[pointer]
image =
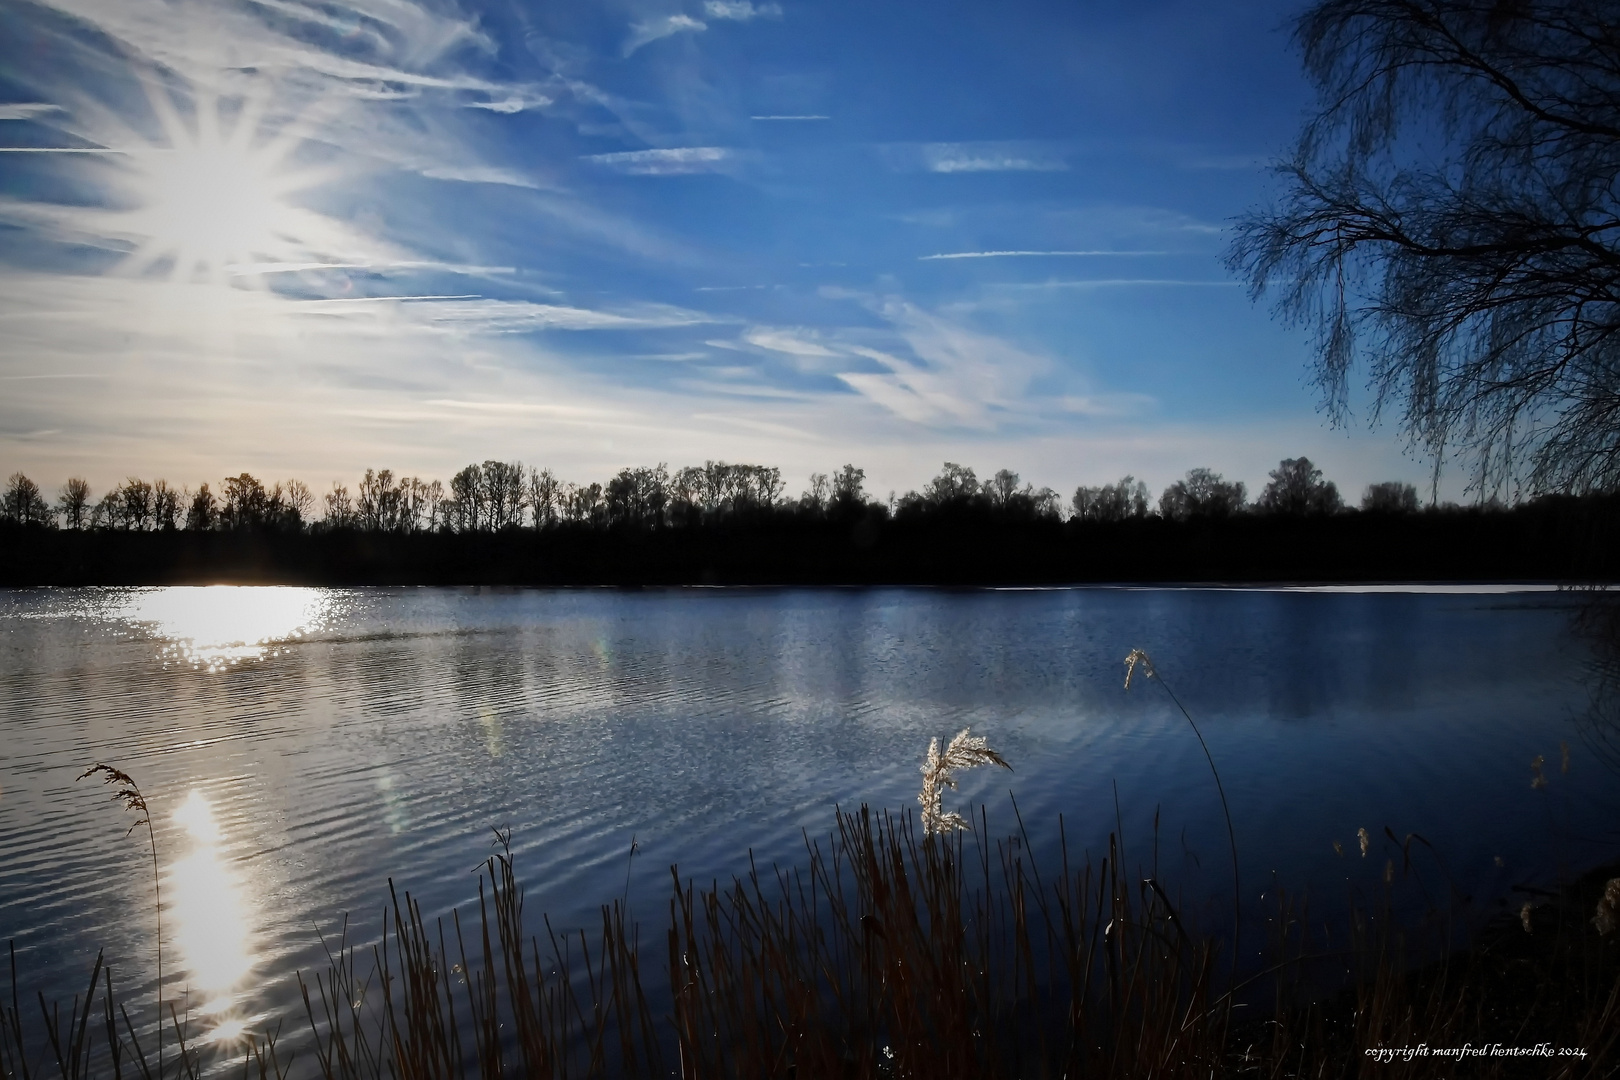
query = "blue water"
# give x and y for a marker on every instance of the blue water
(300, 747)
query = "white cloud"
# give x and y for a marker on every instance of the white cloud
(476, 315)
(1025, 254)
(792, 342)
(953, 376)
(969, 162)
(975, 157)
(670, 162)
(26, 110)
(969, 376)
(741, 10)
(1107, 405)
(645, 33)
(377, 266)
(187, 383)
(512, 103)
(480, 174)
(816, 116)
(1117, 283)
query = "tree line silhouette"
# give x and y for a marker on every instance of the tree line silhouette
(497, 495)
(504, 522)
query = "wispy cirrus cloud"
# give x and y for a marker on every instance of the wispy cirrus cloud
(651, 30)
(27, 110)
(480, 174)
(975, 157)
(1032, 254)
(665, 162)
(741, 10)
(477, 315)
(924, 369)
(794, 342)
(1116, 283)
(512, 103)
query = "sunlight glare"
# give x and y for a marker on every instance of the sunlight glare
(217, 625)
(215, 201)
(227, 1031)
(212, 200)
(212, 932)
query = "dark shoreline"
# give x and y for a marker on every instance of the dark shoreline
(1553, 540)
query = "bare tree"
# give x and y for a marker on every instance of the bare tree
(954, 484)
(1451, 221)
(22, 502)
(585, 503)
(544, 501)
(1128, 498)
(298, 499)
(165, 506)
(380, 505)
(502, 485)
(638, 497)
(1390, 497)
(73, 503)
(1002, 487)
(202, 514)
(848, 490)
(1297, 489)
(815, 496)
(1202, 494)
(467, 500)
(109, 510)
(427, 499)
(338, 508)
(135, 498)
(249, 505)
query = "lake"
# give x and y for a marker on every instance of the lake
(299, 747)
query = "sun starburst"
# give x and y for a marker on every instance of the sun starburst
(215, 192)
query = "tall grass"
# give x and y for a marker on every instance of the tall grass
(899, 946)
(889, 952)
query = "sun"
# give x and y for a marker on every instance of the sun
(216, 194)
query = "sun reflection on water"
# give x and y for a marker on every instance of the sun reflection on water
(211, 928)
(218, 625)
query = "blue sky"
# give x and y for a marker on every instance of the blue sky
(304, 238)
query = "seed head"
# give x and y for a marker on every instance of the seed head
(1137, 656)
(964, 752)
(1365, 841)
(1524, 916)
(127, 792)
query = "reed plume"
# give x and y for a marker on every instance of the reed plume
(128, 792)
(964, 752)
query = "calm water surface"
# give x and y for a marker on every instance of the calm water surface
(301, 746)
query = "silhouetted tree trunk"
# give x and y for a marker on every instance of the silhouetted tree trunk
(74, 503)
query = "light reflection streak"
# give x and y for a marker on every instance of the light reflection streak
(212, 930)
(218, 625)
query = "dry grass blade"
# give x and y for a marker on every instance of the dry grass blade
(128, 792)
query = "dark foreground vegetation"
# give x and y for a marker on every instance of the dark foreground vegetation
(500, 523)
(890, 954)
